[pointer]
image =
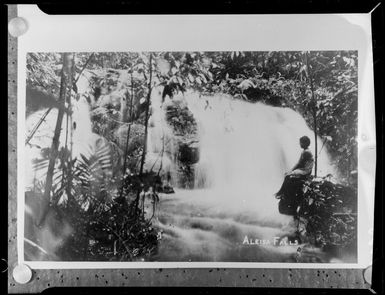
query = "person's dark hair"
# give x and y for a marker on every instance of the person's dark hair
(305, 141)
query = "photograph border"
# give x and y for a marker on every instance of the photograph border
(35, 43)
(334, 266)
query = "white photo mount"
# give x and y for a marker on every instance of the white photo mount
(209, 33)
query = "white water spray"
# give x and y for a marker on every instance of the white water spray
(245, 149)
(161, 144)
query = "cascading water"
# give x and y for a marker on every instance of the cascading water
(161, 146)
(245, 149)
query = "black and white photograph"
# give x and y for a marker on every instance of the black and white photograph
(191, 156)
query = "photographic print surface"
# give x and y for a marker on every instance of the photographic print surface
(219, 156)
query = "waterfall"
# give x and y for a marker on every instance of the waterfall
(161, 143)
(245, 149)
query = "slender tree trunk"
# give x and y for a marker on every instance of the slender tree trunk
(314, 114)
(69, 103)
(146, 118)
(83, 68)
(65, 79)
(315, 138)
(72, 86)
(32, 133)
(145, 132)
(128, 135)
(48, 111)
(65, 168)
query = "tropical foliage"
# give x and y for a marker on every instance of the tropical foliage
(322, 86)
(330, 214)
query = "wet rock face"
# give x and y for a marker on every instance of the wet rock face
(181, 119)
(188, 154)
(185, 130)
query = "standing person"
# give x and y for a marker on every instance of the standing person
(294, 178)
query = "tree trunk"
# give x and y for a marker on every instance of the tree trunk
(70, 123)
(66, 77)
(128, 135)
(29, 137)
(315, 136)
(314, 114)
(42, 119)
(145, 133)
(69, 104)
(146, 118)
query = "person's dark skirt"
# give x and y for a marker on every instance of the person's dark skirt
(290, 194)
